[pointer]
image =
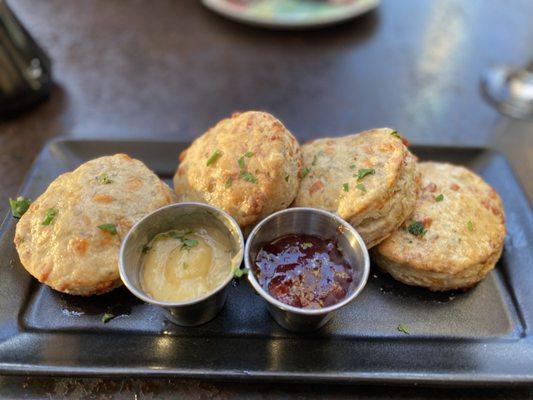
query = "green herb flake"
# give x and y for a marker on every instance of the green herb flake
(470, 226)
(395, 134)
(305, 172)
(213, 157)
(248, 154)
(240, 161)
(19, 206)
(185, 265)
(248, 177)
(364, 172)
(307, 245)
(345, 187)
(352, 166)
(111, 228)
(228, 183)
(361, 187)
(107, 317)
(240, 272)
(440, 197)
(50, 215)
(416, 228)
(315, 157)
(103, 179)
(170, 234)
(403, 328)
(286, 178)
(188, 243)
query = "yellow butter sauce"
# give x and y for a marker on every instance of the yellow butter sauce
(185, 264)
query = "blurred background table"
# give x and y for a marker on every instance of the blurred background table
(169, 69)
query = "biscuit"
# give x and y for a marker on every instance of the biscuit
(248, 165)
(70, 236)
(370, 179)
(455, 235)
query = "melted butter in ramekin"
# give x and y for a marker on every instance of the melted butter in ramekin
(185, 264)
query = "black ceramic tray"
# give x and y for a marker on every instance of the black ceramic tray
(479, 337)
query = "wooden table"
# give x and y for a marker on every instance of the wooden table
(170, 69)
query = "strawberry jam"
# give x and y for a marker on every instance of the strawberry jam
(304, 271)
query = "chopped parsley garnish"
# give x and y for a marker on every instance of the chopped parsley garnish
(107, 317)
(185, 265)
(395, 134)
(228, 182)
(19, 206)
(403, 328)
(213, 157)
(315, 157)
(345, 187)
(470, 226)
(440, 197)
(286, 178)
(103, 179)
(50, 215)
(240, 161)
(170, 234)
(173, 234)
(240, 272)
(307, 245)
(188, 243)
(145, 249)
(352, 166)
(248, 177)
(361, 187)
(111, 228)
(416, 228)
(364, 172)
(305, 172)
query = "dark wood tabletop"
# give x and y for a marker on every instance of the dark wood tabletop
(169, 69)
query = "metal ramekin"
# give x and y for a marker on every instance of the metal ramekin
(186, 313)
(312, 222)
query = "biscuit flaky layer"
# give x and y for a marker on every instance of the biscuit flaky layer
(464, 232)
(248, 165)
(370, 179)
(71, 253)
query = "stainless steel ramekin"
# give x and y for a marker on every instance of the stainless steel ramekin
(186, 313)
(312, 222)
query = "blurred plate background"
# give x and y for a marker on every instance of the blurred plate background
(291, 14)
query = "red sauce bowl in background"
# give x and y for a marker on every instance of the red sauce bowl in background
(306, 222)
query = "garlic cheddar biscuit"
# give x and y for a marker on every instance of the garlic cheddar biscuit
(248, 165)
(70, 236)
(370, 179)
(455, 235)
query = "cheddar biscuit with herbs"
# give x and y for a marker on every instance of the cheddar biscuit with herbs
(248, 165)
(70, 236)
(455, 235)
(370, 179)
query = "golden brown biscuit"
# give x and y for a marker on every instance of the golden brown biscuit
(70, 236)
(455, 235)
(370, 179)
(247, 165)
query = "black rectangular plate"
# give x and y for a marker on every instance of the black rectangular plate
(478, 337)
